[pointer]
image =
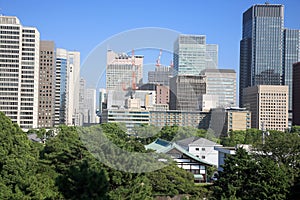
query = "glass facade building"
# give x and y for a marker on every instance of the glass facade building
(192, 55)
(221, 84)
(61, 88)
(261, 48)
(267, 50)
(291, 55)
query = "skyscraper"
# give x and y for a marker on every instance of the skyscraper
(90, 101)
(123, 71)
(46, 84)
(261, 47)
(192, 55)
(19, 71)
(268, 50)
(296, 94)
(291, 55)
(67, 86)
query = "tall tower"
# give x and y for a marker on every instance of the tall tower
(192, 55)
(291, 55)
(67, 86)
(19, 71)
(261, 47)
(46, 84)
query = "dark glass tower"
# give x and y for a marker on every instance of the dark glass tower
(261, 48)
(291, 42)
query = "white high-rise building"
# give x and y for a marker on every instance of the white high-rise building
(67, 87)
(19, 71)
(123, 71)
(90, 101)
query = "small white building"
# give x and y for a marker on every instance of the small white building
(204, 149)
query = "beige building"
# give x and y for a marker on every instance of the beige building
(237, 119)
(268, 105)
(195, 119)
(46, 84)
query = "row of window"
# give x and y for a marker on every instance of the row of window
(10, 27)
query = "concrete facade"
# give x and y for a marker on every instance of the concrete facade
(268, 105)
(19, 72)
(123, 71)
(185, 92)
(47, 84)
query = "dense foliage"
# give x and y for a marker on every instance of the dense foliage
(63, 168)
(270, 171)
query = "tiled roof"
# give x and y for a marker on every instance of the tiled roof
(204, 142)
(162, 146)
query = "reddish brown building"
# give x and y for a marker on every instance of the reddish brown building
(296, 93)
(162, 94)
(46, 84)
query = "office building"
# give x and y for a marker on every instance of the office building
(221, 85)
(46, 85)
(19, 72)
(268, 105)
(87, 104)
(185, 92)
(129, 117)
(102, 100)
(291, 55)
(195, 119)
(237, 119)
(192, 55)
(162, 94)
(67, 87)
(212, 56)
(90, 104)
(123, 72)
(161, 75)
(267, 49)
(296, 94)
(261, 46)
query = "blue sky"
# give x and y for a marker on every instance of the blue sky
(82, 25)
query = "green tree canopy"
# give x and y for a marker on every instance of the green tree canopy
(248, 177)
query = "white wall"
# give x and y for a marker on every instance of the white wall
(206, 153)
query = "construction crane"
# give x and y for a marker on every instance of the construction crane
(132, 57)
(171, 64)
(131, 89)
(158, 59)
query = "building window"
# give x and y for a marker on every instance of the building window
(197, 149)
(203, 149)
(203, 157)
